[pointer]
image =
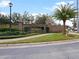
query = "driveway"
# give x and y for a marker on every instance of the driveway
(46, 51)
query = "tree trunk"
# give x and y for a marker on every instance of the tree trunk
(64, 27)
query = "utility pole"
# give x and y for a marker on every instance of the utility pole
(77, 17)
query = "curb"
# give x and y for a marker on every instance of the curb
(38, 44)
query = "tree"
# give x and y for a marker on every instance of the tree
(41, 19)
(65, 12)
(4, 19)
(26, 17)
(16, 17)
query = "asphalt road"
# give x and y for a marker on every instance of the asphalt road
(61, 51)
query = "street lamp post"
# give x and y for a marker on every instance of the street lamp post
(10, 5)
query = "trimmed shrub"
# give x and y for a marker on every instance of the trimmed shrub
(7, 29)
(9, 33)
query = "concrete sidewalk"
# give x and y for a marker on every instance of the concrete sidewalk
(75, 33)
(8, 40)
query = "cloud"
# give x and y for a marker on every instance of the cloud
(3, 13)
(59, 3)
(56, 5)
(68, 22)
(34, 14)
(71, 2)
(51, 8)
(40, 13)
(63, 3)
(4, 3)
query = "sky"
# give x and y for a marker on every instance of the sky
(32, 6)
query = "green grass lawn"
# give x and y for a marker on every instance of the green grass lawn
(47, 38)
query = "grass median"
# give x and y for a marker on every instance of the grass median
(47, 38)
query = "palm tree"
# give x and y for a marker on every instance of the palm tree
(65, 12)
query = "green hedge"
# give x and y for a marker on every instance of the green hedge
(8, 33)
(18, 36)
(7, 29)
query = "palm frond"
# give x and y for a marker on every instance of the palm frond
(65, 12)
